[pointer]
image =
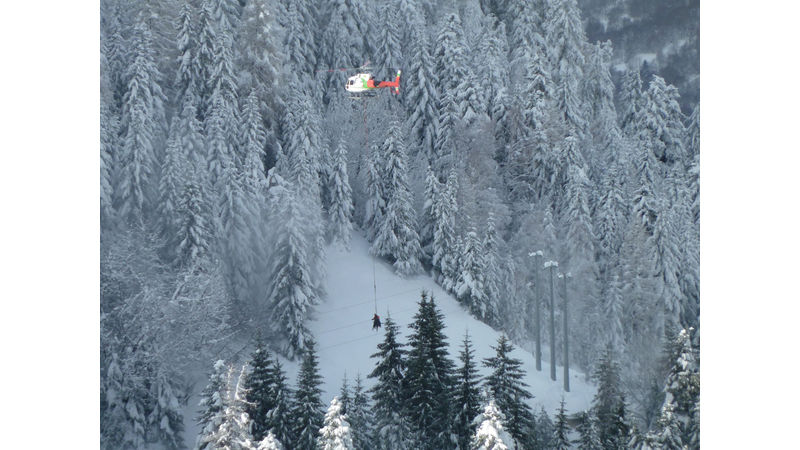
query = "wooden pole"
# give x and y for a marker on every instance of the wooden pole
(552, 265)
(537, 318)
(566, 337)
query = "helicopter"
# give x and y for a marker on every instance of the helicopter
(363, 84)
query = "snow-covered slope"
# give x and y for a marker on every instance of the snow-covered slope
(345, 340)
(343, 326)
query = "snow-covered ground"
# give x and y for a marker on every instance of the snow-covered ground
(345, 340)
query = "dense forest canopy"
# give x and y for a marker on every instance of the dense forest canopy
(231, 157)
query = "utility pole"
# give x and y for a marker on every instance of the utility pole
(552, 265)
(566, 330)
(537, 317)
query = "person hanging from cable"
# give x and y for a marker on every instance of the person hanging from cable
(376, 321)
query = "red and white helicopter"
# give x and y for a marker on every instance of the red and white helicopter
(364, 84)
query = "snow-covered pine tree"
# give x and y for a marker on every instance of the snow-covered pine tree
(469, 101)
(344, 395)
(143, 121)
(343, 42)
(397, 237)
(109, 137)
(279, 420)
(299, 40)
(420, 96)
(444, 258)
(492, 64)
(467, 396)
(565, 42)
(203, 56)
(260, 56)
(387, 47)
(663, 122)
(428, 216)
(170, 187)
(490, 433)
(525, 38)
(683, 385)
(667, 434)
(492, 273)
(335, 434)
(340, 212)
(449, 54)
(122, 418)
(509, 391)
(561, 434)
(259, 390)
(307, 408)
(543, 436)
(631, 103)
(234, 429)
(470, 289)
(269, 443)
(587, 430)
(375, 205)
(608, 400)
(195, 233)
(392, 428)
(291, 293)
(212, 402)
(443, 157)
(430, 378)
(693, 133)
(359, 416)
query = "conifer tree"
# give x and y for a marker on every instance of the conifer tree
(109, 136)
(343, 43)
(299, 42)
(429, 378)
(360, 417)
(291, 293)
(683, 384)
(444, 258)
(335, 434)
(259, 391)
(212, 402)
(662, 122)
(608, 401)
(421, 96)
(492, 273)
(279, 420)
(668, 433)
(490, 433)
(492, 69)
(375, 205)
(307, 408)
(631, 103)
(344, 395)
(143, 120)
(467, 397)
(397, 237)
(469, 288)
(340, 212)
(587, 431)
(560, 436)
(449, 54)
(173, 174)
(269, 443)
(508, 390)
(429, 216)
(194, 233)
(233, 431)
(391, 423)
(123, 420)
(693, 133)
(443, 157)
(565, 41)
(203, 56)
(543, 437)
